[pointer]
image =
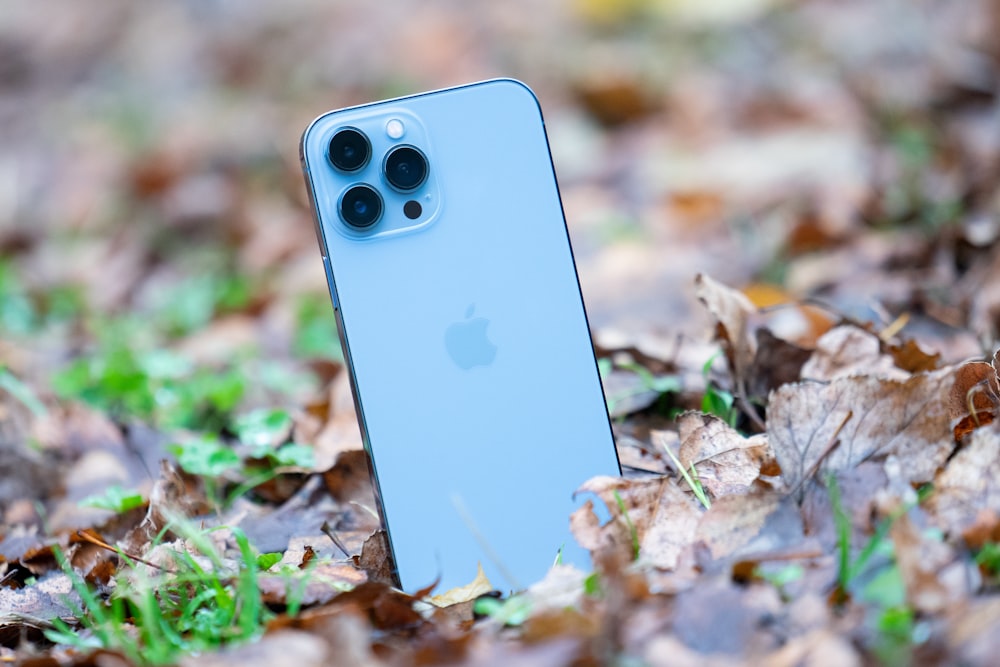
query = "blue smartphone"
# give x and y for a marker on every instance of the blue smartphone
(463, 327)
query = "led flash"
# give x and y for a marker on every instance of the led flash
(394, 128)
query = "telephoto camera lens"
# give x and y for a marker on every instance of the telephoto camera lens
(350, 149)
(361, 206)
(405, 168)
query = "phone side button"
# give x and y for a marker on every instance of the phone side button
(329, 283)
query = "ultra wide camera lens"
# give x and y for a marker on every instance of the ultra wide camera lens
(361, 206)
(405, 168)
(350, 149)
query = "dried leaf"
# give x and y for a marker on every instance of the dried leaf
(756, 522)
(913, 358)
(472, 590)
(663, 517)
(835, 425)
(732, 311)
(326, 581)
(726, 462)
(920, 561)
(777, 362)
(849, 350)
(287, 647)
(375, 559)
(969, 484)
(976, 388)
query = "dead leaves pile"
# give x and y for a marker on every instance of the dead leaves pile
(859, 487)
(873, 461)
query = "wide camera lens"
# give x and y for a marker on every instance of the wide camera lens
(361, 206)
(405, 168)
(349, 149)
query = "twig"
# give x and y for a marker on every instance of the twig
(329, 532)
(97, 542)
(831, 445)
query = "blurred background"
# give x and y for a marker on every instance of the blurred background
(153, 218)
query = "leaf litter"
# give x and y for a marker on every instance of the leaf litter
(811, 459)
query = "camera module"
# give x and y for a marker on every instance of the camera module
(361, 206)
(350, 149)
(405, 168)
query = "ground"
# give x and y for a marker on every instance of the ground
(786, 222)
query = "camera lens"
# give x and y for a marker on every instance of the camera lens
(405, 168)
(349, 149)
(361, 206)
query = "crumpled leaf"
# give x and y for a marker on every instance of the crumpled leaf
(921, 561)
(849, 350)
(663, 516)
(754, 522)
(975, 396)
(726, 462)
(777, 362)
(286, 647)
(374, 558)
(828, 426)
(970, 483)
(51, 597)
(732, 311)
(480, 585)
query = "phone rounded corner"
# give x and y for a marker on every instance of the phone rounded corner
(521, 86)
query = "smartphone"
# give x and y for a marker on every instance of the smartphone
(463, 328)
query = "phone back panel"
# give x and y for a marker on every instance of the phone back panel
(478, 394)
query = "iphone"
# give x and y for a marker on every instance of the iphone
(463, 327)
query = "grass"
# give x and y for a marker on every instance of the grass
(874, 578)
(692, 480)
(198, 603)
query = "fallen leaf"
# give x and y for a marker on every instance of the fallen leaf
(732, 311)
(325, 582)
(912, 357)
(722, 617)
(726, 462)
(920, 561)
(850, 350)
(472, 590)
(663, 517)
(287, 647)
(815, 426)
(755, 522)
(386, 607)
(972, 631)
(975, 396)
(776, 362)
(969, 484)
(375, 559)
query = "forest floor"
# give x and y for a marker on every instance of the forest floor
(786, 221)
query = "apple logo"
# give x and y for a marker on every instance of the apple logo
(467, 342)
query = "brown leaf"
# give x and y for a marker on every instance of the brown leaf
(776, 362)
(663, 516)
(829, 426)
(386, 607)
(726, 462)
(969, 484)
(326, 581)
(754, 522)
(849, 350)
(375, 559)
(976, 388)
(920, 561)
(732, 311)
(913, 358)
(349, 479)
(287, 647)
(472, 590)
(975, 397)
